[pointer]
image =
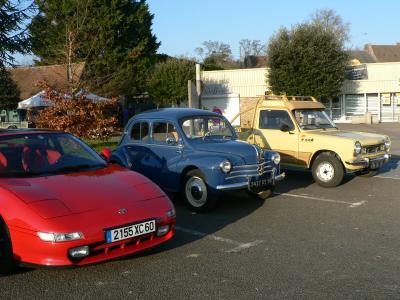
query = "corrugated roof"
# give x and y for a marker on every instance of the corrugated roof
(27, 78)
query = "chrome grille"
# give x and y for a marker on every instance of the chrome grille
(250, 170)
(373, 149)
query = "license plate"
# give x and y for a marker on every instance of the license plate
(257, 183)
(126, 232)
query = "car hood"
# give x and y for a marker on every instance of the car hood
(228, 147)
(364, 138)
(73, 193)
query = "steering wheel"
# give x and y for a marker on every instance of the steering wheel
(206, 134)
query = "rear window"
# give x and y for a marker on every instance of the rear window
(140, 131)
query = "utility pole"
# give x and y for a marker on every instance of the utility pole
(190, 104)
(198, 83)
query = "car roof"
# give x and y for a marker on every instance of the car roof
(174, 113)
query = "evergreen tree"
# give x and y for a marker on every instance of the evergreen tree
(13, 38)
(309, 59)
(9, 92)
(114, 38)
(168, 82)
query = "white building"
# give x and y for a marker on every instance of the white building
(377, 91)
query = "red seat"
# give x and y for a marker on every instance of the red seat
(3, 162)
(36, 158)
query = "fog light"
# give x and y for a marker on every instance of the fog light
(162, 230)
(79, 252)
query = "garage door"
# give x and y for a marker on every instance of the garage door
(373, 104)
(388, 107)
(396, 104)
(354, 105)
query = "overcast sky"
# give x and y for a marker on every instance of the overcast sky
(182, 25)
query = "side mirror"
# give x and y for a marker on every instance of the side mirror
(285, 128)
(106, 154)
(170, 140)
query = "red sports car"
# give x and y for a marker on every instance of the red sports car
(61, 204)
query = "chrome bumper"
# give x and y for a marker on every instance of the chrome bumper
(245, 185)
(374, 163)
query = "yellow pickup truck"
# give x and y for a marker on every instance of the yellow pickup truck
(299, 129)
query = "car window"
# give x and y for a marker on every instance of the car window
(140, 131)
(274, 119)
(164, 130)
(309, 119)
(39, 154)
(207, 127)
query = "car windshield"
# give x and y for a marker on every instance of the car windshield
(309, 119)
(43, 154)
(207, 127)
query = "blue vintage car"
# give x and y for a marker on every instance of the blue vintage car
(197, 153)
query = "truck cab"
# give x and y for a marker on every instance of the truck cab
(299, 129)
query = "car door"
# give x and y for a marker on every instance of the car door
(138, 152)
(279, 133)
(166, 149)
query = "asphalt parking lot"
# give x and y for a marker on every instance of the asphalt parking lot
(305, 242)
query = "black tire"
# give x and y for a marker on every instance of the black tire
(327, 170)
(367, 173)
(12, 127)
(7, 262)
(196, 193)
(263, 195)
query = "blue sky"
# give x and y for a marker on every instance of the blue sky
(182, 25)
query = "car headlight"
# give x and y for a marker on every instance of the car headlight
(171, 213)
(60, 237)
(357, 148)
(225, 166)
(276, 158)
(387, 143)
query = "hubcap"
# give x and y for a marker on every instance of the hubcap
(196, 191)
(325, 171)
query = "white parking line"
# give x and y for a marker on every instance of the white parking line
(387, 177)
(238, 246)
(350, 204)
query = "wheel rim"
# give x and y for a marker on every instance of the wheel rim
(196, 191)
(325, 171)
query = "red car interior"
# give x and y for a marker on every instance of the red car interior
(37, 158)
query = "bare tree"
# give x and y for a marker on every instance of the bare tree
(216, 48)
(73, 31)
(251, 47)
(330, 21)
(216, 55)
